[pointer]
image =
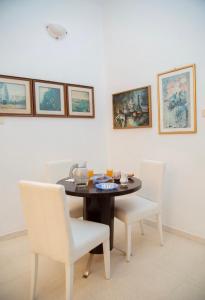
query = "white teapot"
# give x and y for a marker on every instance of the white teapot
(79, 173)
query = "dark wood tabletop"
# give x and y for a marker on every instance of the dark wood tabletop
(134, 184)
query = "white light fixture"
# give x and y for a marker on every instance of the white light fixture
(56, 31)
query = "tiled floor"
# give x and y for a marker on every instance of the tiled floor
(173, 272)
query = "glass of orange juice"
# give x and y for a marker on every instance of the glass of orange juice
(90, 173)
(109, 172)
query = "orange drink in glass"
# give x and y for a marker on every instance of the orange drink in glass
(90, 173)
(109, 172)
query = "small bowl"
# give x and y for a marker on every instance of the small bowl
(101, 178)
(130, 175)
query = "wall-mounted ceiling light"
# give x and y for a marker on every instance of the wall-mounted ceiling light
(56, 31)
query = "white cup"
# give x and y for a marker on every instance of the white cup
(124, 179)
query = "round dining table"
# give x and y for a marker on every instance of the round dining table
(98, 205)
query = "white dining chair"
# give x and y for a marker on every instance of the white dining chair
(54, 234)
(144, 203)
(56, 170)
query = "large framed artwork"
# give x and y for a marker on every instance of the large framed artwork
(177, 100)
(80, 101)
(49, 99)
(132, 109)
(15, 96)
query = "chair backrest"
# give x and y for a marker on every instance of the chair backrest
(152, 176)
(56, 170)
(47, 219)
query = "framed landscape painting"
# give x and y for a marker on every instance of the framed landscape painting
(49, 99)
(177, 100)
(132, 109)
(15, 96)
(80, 101)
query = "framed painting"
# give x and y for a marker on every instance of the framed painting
(49, 99)
(177, 100)
(80, 101)
(132, 109)
(15, 96)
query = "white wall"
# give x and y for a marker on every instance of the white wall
(27, 50)
(144, 38)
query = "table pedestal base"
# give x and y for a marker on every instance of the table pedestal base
(101, 210)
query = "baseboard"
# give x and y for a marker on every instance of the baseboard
(13, 235)
(148, 222)
(178, 232)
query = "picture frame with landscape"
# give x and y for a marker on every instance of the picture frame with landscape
(177, 100)
(132, 108)
(15, 96)
(80, 101)
(49, 99)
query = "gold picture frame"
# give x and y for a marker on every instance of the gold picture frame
(132, 109)
(177, 100)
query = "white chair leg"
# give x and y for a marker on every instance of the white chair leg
(128, 233)
(159, 222)
(106, 251)
(34, 273)
(69, 281)
(141, 227)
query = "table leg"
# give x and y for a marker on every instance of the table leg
(100, 209)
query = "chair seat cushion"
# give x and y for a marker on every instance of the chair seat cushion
(87, 235)
(75, 205)
(134, 208)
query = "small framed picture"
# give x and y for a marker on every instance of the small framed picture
(49, 99)
(80, 101)
(132, 109)
(15, 96)
(177, 101)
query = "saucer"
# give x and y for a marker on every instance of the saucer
(107, 186)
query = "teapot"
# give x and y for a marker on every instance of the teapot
(79, 173)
